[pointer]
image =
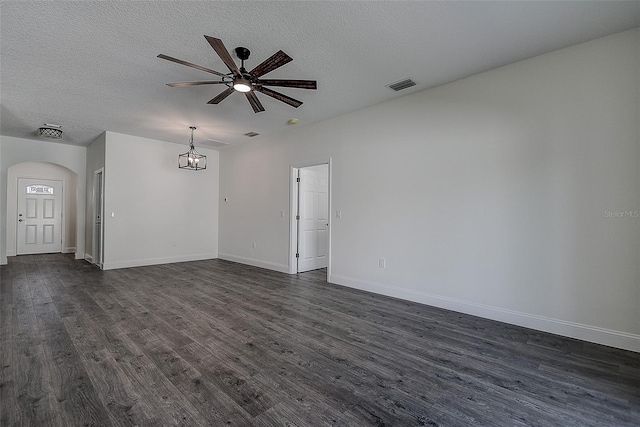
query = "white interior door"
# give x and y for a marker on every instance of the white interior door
(39, 216)
(313, 209)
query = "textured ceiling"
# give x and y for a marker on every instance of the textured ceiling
(92, 66)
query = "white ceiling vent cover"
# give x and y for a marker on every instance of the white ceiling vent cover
(402, 84)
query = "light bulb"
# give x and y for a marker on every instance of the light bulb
(242, 85)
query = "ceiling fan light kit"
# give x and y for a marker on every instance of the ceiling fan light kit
(241, 80)
(242, 85)
(192, 160)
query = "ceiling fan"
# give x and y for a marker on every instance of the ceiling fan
(241, 80)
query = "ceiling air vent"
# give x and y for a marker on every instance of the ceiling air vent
(403, 84)
(251, 134)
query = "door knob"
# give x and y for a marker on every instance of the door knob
(20, 220)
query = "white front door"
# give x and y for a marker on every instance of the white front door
(314, 211)
(39, 216)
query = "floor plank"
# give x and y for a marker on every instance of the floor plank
(218, 343)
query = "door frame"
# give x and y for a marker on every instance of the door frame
(293, 211)
(62, 210)
(94, 241)
(73, 207)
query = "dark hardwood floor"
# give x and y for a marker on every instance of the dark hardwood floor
(218, 343)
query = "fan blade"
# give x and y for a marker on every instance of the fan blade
(300, 84)
(279, 96)
(223, 53)
(254, 101)
(189, 64)
(276, 60)
(221, 96)
(207, 82)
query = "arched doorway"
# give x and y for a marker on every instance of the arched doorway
(45, 172)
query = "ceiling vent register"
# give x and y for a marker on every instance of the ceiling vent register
(404, 84)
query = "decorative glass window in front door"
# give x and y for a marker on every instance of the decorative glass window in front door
(39, 189)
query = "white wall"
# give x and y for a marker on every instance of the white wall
(18, 150)
(492, 195)
(160, 213)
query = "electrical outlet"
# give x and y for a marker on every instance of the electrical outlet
(382, 263)
(254, 245)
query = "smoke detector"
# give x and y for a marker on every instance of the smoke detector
(50, 131)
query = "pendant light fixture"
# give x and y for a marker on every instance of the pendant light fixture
(192, 160)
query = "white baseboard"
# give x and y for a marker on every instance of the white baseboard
(282, 268)
(69, 250)
(623, 340)
(3, 260)
(154, 261)
(88, 258)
